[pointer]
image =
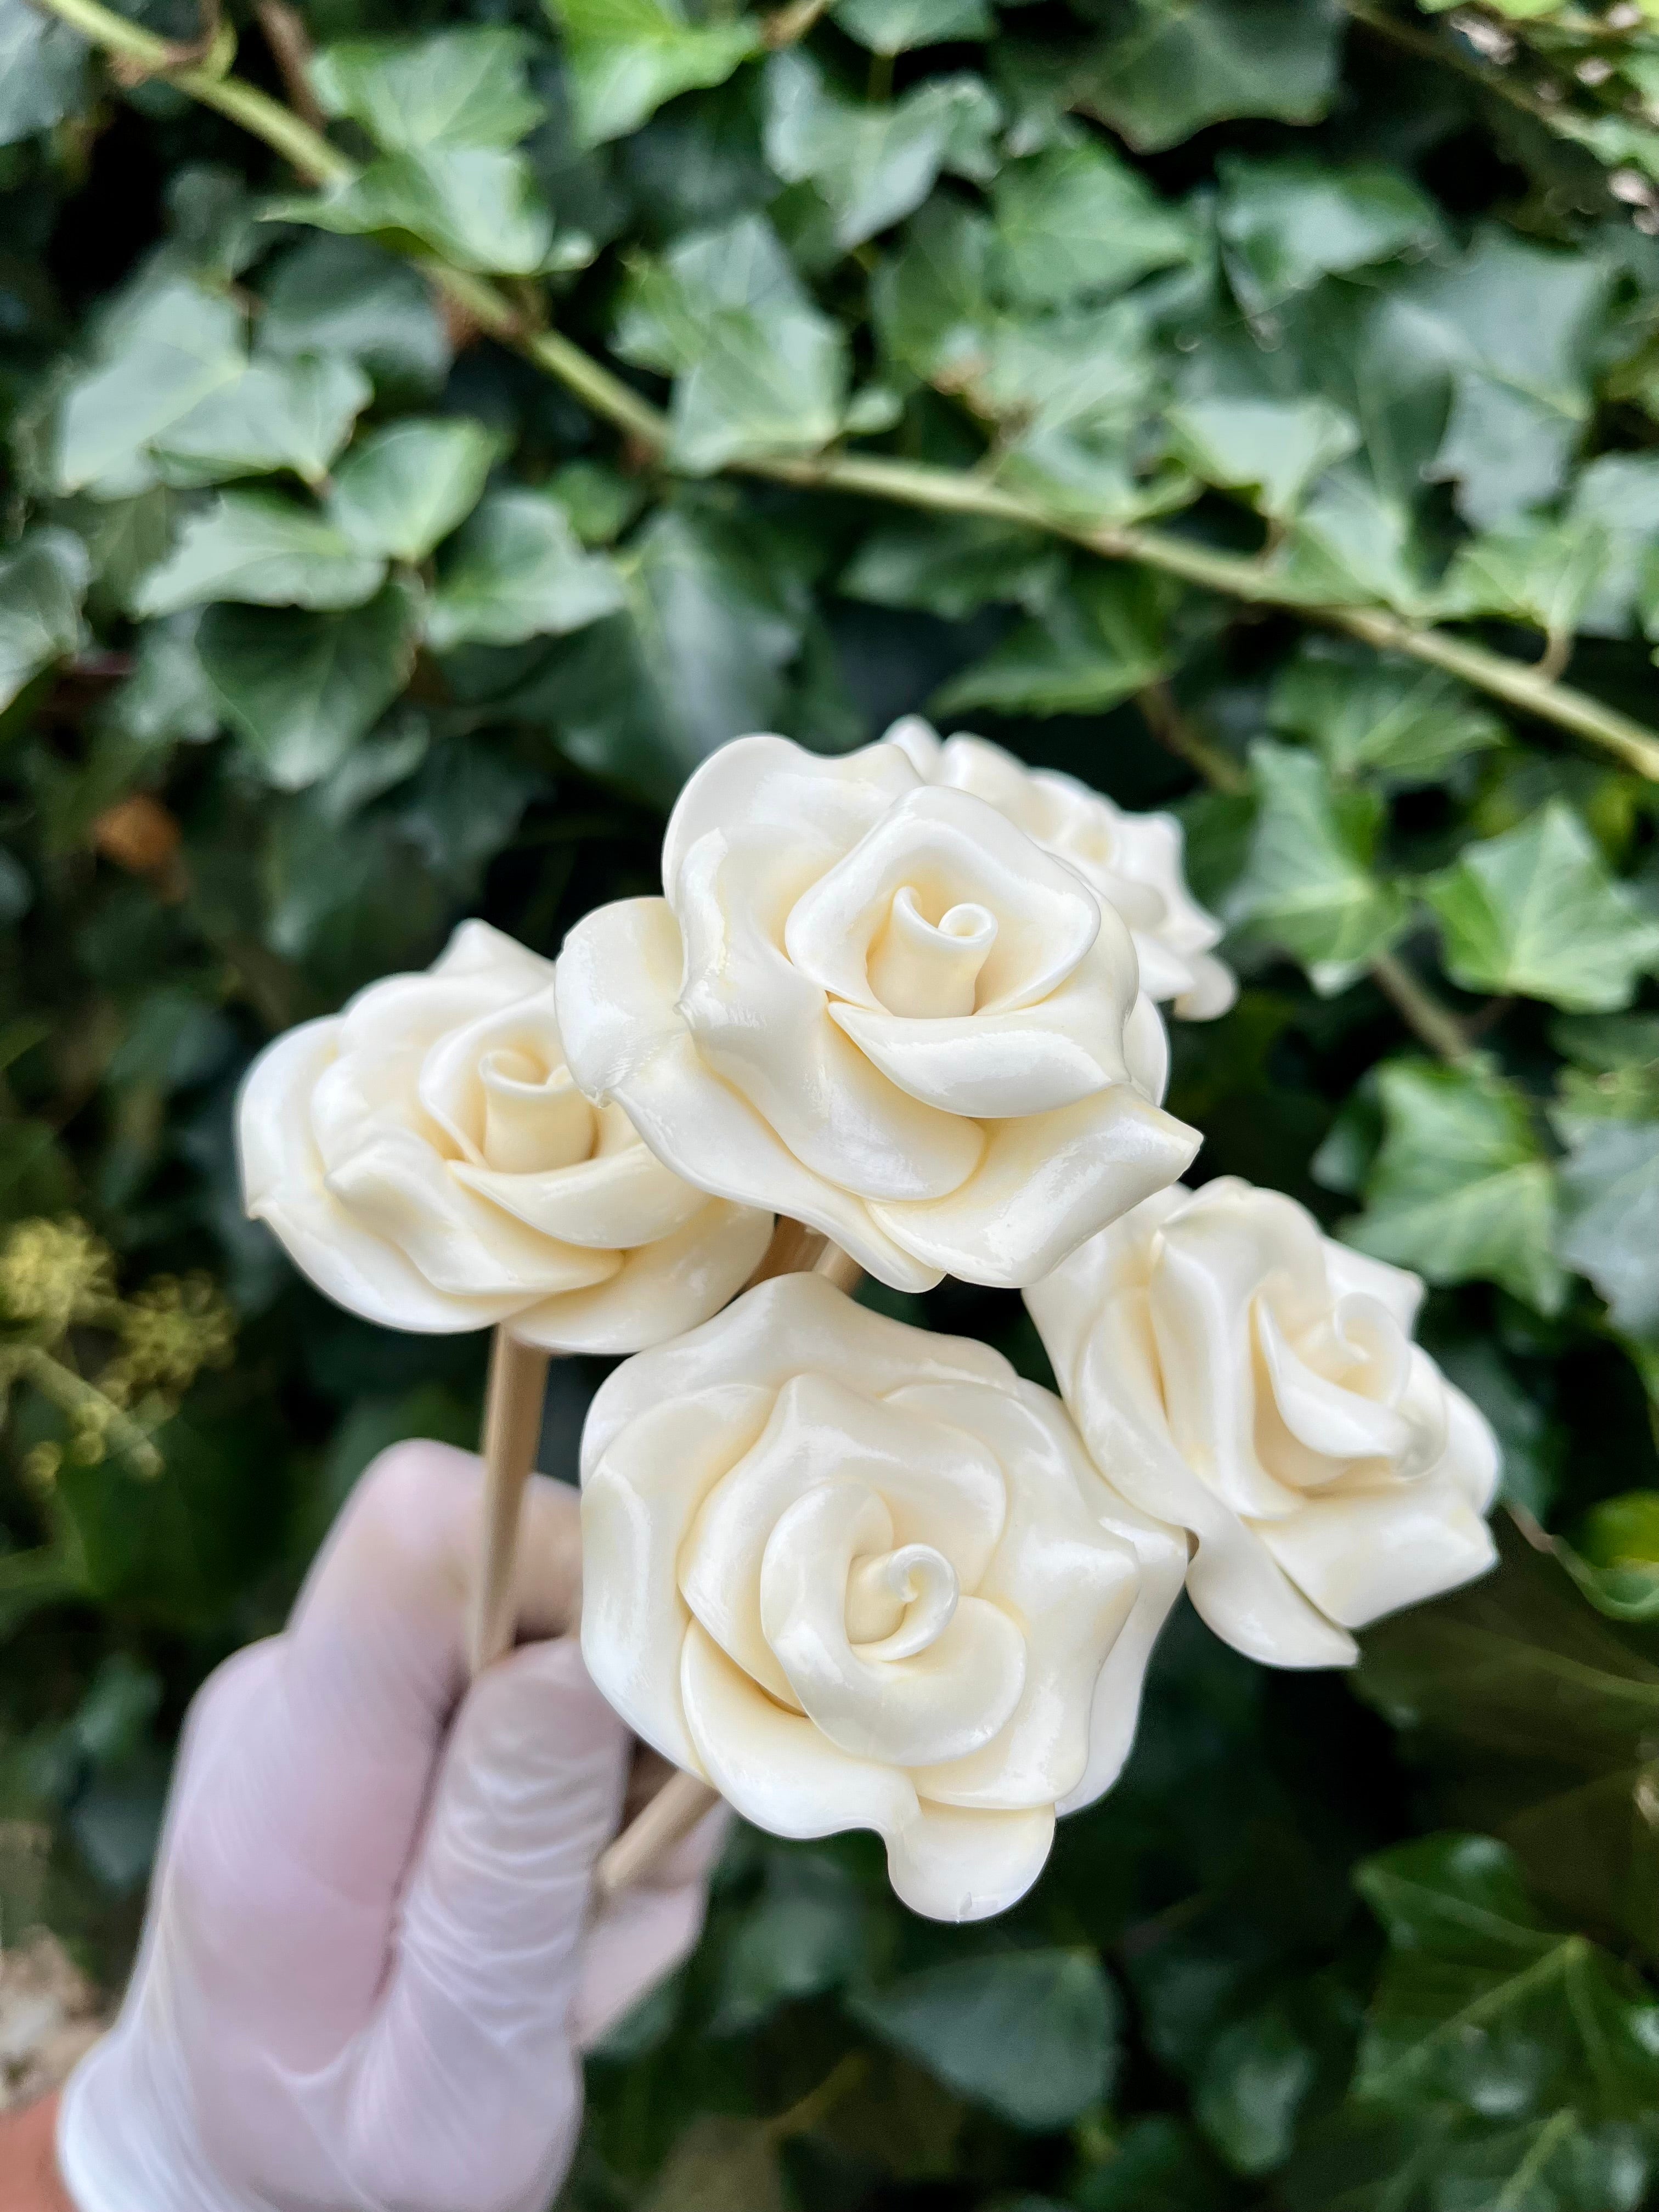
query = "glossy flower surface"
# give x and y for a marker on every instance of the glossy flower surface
(1236, 1371)
(1135, 862)
(881, 1008)
(856, 1575)
(426, 1161)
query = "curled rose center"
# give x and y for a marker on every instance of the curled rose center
(534, 1118)
(923, 964)
(899, 1602)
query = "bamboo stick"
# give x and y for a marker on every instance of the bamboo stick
(512, 1428)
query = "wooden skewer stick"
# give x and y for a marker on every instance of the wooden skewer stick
(512, 1428)
(683, 1799)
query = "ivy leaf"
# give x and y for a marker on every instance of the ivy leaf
(1254, 2079)
(1276, 447)
(699, 655)
(403, 488)
(1535, 914)
(1461, 1189)
(1617, 497)
(898, 27)
(932, 301)
(871, 164)
(1032, 2034)
(1100, 640)
(952, 566)
(758, 369)
(167, 699)
(1513, 326)
(1286, 224)
(265, 551)
(1075, 223)
(1074, 392)
(1546, 573)
(1176, 68)
(627, 56)
(1352, 542)
(42, 584)
(1370, 714)
(1481, 2002)
(479, 207)
(303, 688)
(453, 88)
(348, 297)
(179, 345)
(1307, 884)
(294, 414)
(1610, 1214)
(43, 71)
(515, 571)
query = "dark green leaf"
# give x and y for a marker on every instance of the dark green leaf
(952, 566)
(1286, 224)
(627, 56)
(1534, 913)
(1461, 1189)
(1308, 885)
(1177, 67)
(302, 689)
(873, 164)
(897, 27)
(1275, 447)
(1370, 714)
(477, 206)
(43, 71)
(176, 347)
(451, 89)
(347, 296)
(1610, 1215)
(1544, 574)
(1030, 2033)
(1617, 497)
(293, 414)
(251, 546)
(1098, 640)
(1075, 222)
(42, 584)
(516, 571)
(402, 488)
(1252, 2085)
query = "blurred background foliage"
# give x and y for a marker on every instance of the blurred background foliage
(1251, 406)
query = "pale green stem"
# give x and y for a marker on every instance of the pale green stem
(871, 476)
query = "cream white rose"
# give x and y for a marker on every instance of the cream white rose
(1236, 1371)
(881, 1008)
(426, 1161)
(1135, 862)
(856, 1575)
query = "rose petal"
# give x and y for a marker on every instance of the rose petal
(942, 1488)
(1359, 1557)
(760, 1023)
(801, 802)
(661, 1289)
(1028, 1061)
(282, 1185)
(1069, 1580)
(1332, 1424)
(1046, 1183)
(950, 849)
(943, 1703)
(951, 1864)
(618, 974)
(614, 1202)
(790, 1326)
(638, 1499)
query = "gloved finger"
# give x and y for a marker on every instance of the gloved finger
(312, 1769)
(473, 2041)
(641, 1935)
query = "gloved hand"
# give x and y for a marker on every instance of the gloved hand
(368, 1965)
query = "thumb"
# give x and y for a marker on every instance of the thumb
(467, 2091)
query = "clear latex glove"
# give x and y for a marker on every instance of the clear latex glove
(368, 1965)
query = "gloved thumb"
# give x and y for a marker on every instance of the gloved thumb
(472, 2040)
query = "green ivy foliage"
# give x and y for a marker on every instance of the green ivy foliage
(428, 432)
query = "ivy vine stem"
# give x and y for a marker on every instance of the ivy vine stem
(877, 477)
